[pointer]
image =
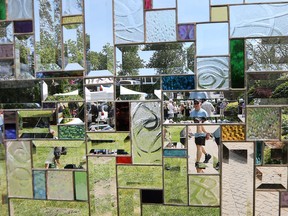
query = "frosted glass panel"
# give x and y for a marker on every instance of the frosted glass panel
(259, 20)
(60, 185)
(128, 21)
(71, 7)
(267, 202)
(212, 39)
(19, 9)
(6, 32)
(160, 26)
(193, 11)
(164, 4)
(19, 172)
(213, 73)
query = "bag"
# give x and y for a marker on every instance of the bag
(70, 166)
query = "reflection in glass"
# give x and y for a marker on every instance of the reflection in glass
(259, 20)
(39, 184)
(3, 180)
(71, 7)
(174, 137)
(271, 178)
(175, 181)
(7, 69)
(237, 63)
(267, 201)
(160, 26)
(122, 116)
(219, 14)
(47, 35)
(193, 11)
(146, 132)
(275, 152)
(19, 9)
(178, 82)
(131, 196)
(237, 166)
(213, 73)
(19, 174)
(128, 21)
(212, 39)
(6, 32)
(100, 92)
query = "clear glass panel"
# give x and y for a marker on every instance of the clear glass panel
(219, 14)
(237, 178)
(39, 184)
(212, 39)
(128, 21)
(266, 201)
(80, 184)
(7, 70)
(220, 2)
(132, 197)
(6, 32)
(164, 4)
(271, 178)
(19, 174)
(139, 177)
(47, 35)
(213, 73)
(263, 123)
(175, 181)
(19, 9)
(146, 132)
(193, 11)
(71, 7)
(73, 38)
(259, 20)
(233, 133)
(204, 190)
(203, 149)
(100, 92)
(102, 186)
(174, 137)
(161, 26)
(284, 123)
(60, 185)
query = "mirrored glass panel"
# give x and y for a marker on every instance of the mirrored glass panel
(237, 65)
(193, 11)
(71, 7)
(70, 112)
(8, 68)
(131, 196)
(3, 180)
(174, 137)
(284, 123)
(80, 184)
(152, 59)
(220, 2)
(122, 118)
(261, 204)
(19, 9)
(271, 178)
(274, 152)
(6, 35)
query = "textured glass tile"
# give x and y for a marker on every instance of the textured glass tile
(213, 73)
(275, 152)
(267, 202)
(72, 20)
(164, 4)
(193, 11)
(147, 4)
(259, 152)
(178, 82)
(219, 14)
(237, 178)
(186, 32)
(212, 39)
(146, 133)
(204, 190)
(271, 178)
(60, 185)
(283, 199)
(19, 9)
(175, 181)
(6, 32)
(2, 10)
(124, 160)
(71, 131)
(259, 20)
(39, 184)
(19, 174)
(237, 63)
(71, 7)
(263, 123)
(160, 26)
(139, 176)
(266, 54)
(131, 196)
(7, 69)
(81, 189)
(10, 131)
(233, 133)
(102, 186)
(23, 27)
(128, 21)
(175, 153)
(6, 51)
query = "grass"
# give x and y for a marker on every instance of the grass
(3, 185)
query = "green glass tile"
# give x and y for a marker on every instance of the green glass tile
(237, 63)
(2, 10)
(81, 185)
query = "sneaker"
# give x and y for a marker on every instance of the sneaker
(217, 167)
(197, 165)
(207, 158)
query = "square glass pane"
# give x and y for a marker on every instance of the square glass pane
(193, 11)
(271, 178)
(20, 10)
(131, 196)
(186, 32)
(219, 14)
(6, 32)
(71, 7)
(212, 39)
(160, 26)
(266, 201)
(233, 133)
(174, 137)
(275, 152)
(164, 4)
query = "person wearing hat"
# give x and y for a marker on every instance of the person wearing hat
(197, 110)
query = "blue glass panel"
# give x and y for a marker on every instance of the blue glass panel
(39, 184)
(175, 152)
(178, 82)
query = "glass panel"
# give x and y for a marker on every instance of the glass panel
(7, 69)
(60, 190)
(39, 184)
(263, 123)
(237, 63)
(47, 35)
(174, 137)
(102, 181)
(139, 176)
(193, 11)
(73, 38)
(132, 197)
(237, 166)
(233, 133)
(20, 9)
(164, 4)
(19, 174)
(160, 26)
(128, 21)
(266, 202)
(99, 49)
(186, 32)
(71, 7)
(152, 196)
(3, 10)
(6, 32)
(23, 27)
(80, 185)
(146, 132)
(70, 113)
(151, 59)
(178, 82)
(203, 149)
(284, 123)
(219, 14)
(212, 39)
(213, 73)
(175, 152)
(259, 152)
(71, 131)
(147, 4)
(259, 20)
(3, 182)
(283, 199)
(124, 160)
(6, 51)
(261, 1)
(219, 2)
(204, 190)
(122, 116)
(175, 181)
(275, 152)
(271, 177)
(71, 20)
(10, 131)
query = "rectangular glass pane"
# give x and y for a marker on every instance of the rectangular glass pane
(6, 51)
(193, 11)
(71, 7)
(131, 196)
(164, 4)
(178, 82)
(271, 178)
(20, 10)
(237, 66)
(261, 204)
(174, 137)
(2, 10)
(3, 181)
(219, 14)
(80, 183)
(7, 71)
(39, 184)
(71, 131)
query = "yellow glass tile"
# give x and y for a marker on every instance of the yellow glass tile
(219, 14)
(72, 19)
(233, 133)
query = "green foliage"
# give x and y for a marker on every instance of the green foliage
(281, 91)
(232, 108)
(237, 63)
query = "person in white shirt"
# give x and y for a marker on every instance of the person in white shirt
(208, 107)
